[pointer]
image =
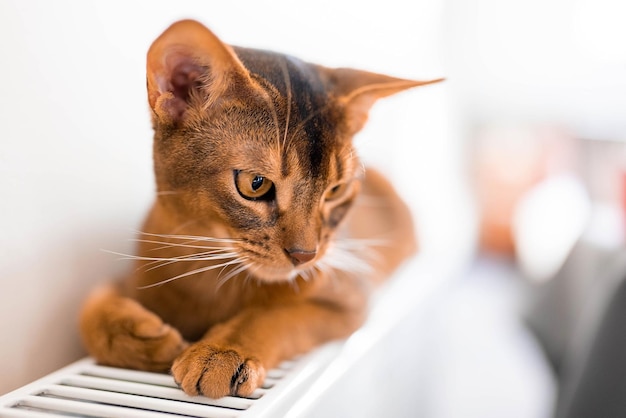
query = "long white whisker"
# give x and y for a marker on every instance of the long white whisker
(191, 257)
(220, 274)
(232, 274)
(198, 238)
(196, 271)
(158, 262)
(187, 244)
(307, 274)
(355, 256)
(194, 257)
(294, 284)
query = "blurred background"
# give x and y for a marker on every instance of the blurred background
(515, 169)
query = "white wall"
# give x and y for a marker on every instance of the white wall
(558, 62)
(75, 138)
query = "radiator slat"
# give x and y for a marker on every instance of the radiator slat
(269, 383)
(87, 409)
(140, 402)
(276, 374)
(159, 379)
(120, 386)
(26, 413)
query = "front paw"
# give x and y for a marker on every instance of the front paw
(120, 332)
(203, 369)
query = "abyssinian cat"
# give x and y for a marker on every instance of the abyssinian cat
(267, 234)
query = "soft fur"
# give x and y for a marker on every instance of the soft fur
(228, 283)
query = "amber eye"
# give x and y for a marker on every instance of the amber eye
(335, 191)
(253, 186)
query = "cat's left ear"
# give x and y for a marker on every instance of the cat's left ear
(188, 59)
(358, 90)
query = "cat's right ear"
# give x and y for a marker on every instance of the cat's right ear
(186, 60)
(357, 91)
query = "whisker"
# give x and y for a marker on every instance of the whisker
(208, 256)
(158, 262)
(193, 272)
(220, 274)
(355, 256)
(327, 271)
(165, 262)
(166, 245)
(189, 237)
(294, 284)
(309, 273)
(232, 274)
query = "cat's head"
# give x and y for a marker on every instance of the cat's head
(257, 144)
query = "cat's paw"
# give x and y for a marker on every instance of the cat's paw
(148, 343)
(119, 331)
(206, 370)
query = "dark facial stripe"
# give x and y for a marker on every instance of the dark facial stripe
(309, 99)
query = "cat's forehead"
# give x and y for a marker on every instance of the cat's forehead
(304, 112)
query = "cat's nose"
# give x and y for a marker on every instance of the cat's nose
(298, 256)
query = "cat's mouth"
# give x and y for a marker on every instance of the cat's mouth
(279, 274)
(277, 268)
(272, 274)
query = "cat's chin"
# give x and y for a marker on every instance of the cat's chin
(273, 274)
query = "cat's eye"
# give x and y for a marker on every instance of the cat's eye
(254, 186)
(335, 191)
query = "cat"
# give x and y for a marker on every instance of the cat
(267, 235)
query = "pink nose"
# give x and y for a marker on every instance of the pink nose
(298, 257)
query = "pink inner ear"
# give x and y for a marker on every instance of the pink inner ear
(182, 75)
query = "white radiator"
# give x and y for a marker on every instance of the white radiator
(87, 389)
(294, 389)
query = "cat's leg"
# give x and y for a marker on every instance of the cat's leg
(118, 331)
(233, 357)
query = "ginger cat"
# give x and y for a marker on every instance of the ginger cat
(260, 245)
